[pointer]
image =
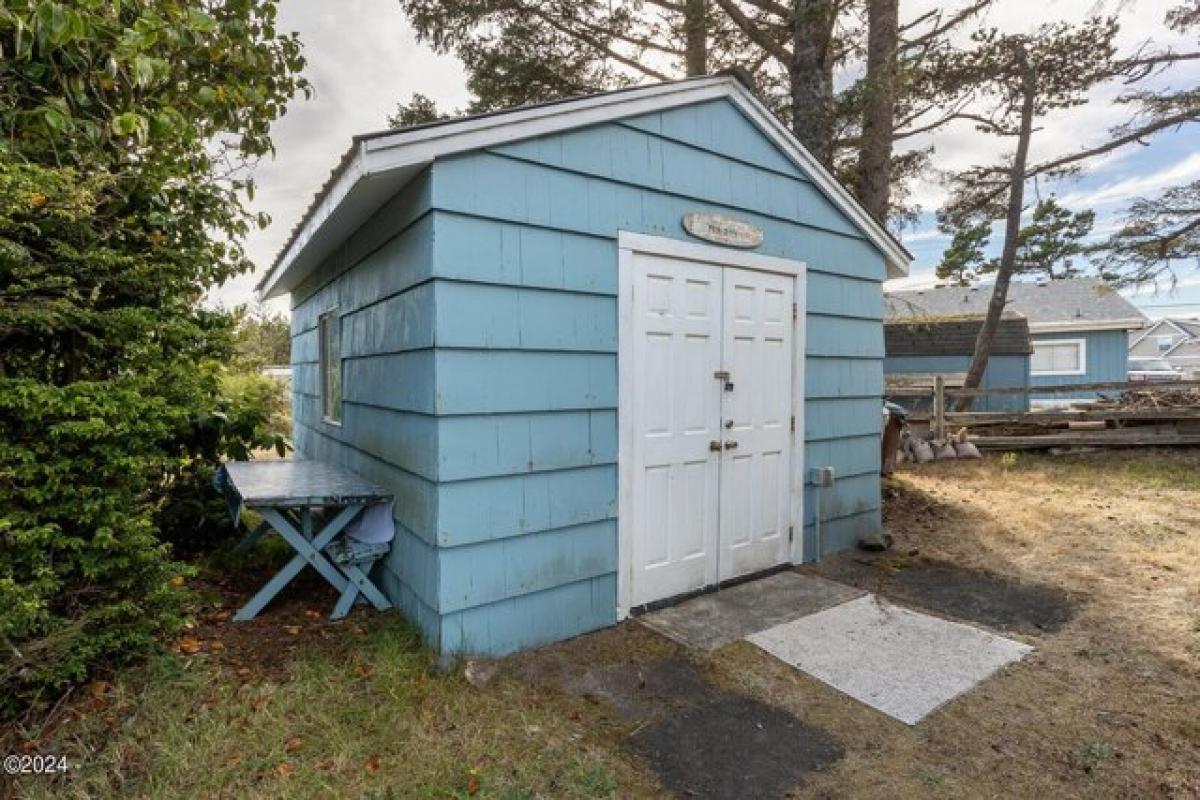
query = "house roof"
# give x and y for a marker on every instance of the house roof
(1076, 304)
(379, 164)
(954, 336)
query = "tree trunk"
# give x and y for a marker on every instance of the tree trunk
(695, 23)
(875, 148)
(1012, 229)
(811, 77)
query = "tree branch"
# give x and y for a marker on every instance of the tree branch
(599, 46)
(756, 33)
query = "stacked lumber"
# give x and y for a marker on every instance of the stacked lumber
(1149, 417)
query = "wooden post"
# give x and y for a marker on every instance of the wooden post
(939, 408)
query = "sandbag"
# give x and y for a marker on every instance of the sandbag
(967, 450)
(922, 451)
(946, 451)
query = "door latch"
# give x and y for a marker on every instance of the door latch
(730, 445)
(715, 446)
(723, 376)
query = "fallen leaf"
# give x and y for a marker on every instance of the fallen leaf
(293, 630)
(188, 645)
(216, 645)
(233, 760)
(473, 782)
(177, 581)
(312, 614)
(98, 688)
(30, 746)
(372, 765)
(284, 769)
(292, 744)
(243, 672)
(362, 671)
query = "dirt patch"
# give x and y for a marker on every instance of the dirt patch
(698, 738)
(955, 591)
(733, 746)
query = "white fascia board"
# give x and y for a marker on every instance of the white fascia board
(1087, 325)
(1149, 330)
(382, 154)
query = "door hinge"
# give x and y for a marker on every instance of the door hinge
(791, 533)
(795, 311)
(793, 423)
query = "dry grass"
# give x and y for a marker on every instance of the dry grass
(1109, 706)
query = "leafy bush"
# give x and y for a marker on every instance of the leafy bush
(250, 417)
(125, 129)
(84, 579)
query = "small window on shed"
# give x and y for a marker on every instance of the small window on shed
(1165, 343)
(331, 366)
(1061, 357)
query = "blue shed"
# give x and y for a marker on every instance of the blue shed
(1079, 326)
(944, 346)
(594, 347)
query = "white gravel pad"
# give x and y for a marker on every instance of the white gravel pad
(900, 662)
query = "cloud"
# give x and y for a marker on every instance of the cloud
(1136, 185)
(363, 58)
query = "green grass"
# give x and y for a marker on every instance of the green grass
(371, 718)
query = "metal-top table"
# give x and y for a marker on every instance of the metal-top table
(286, 494)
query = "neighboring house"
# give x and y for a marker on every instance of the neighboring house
(1079, 327)
(919, 350)
(581, 407)
(1176, 340)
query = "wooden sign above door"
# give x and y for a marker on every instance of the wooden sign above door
(722, 230)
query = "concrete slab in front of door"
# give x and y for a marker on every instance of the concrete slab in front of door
(902, 663)
(718, 618)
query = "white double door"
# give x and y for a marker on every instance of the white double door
(712, 424)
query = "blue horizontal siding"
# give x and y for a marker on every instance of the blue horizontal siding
(623, 155)
(717, 127)
(841, 533)
(509, 444)
(1003, 371)
(504, 317)
(489, 571)
(515, 505)
(1107, 360)
(528, 620)
(504, 381)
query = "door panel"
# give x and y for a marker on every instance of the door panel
(756, 415)
(677, 348)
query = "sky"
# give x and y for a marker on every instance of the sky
(363, 58)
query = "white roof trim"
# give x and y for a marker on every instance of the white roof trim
(1164, 321)
(405, 151)
(1133, 323)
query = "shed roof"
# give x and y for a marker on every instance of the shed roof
(954, 336)
(1075, 304)
(379, 164)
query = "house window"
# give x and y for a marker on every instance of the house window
(329, 330)
(1165, 343)
(1059, 357)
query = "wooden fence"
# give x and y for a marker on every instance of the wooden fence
(1075, 427)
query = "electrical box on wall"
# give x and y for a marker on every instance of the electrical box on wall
(821, 476)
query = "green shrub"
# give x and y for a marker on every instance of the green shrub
(249, 417)
(84, 579)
